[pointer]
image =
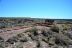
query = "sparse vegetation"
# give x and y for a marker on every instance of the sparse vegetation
(39, 36)
(66, 26)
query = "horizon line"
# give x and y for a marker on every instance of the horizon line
(36, 18)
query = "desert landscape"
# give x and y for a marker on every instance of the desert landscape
(35, 33)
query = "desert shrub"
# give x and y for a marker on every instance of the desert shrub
(62, 40)
(19, 46)
(38, 44)
(1, 46)
(1, 39)
(6, 44)
(1, 42)
(12, 40)
(45, 40)
(20, 35)
(23, 39)
(45, 33)
(69, 34)
(33, 31)
(2, 27)
(66, 26)
(55, 28)
(43, 30)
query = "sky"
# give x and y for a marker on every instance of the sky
(54, 9)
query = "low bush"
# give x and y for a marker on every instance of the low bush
(1, 39)
(20, 35)
(12, 40)
(55, 29)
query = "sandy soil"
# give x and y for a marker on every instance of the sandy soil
(12, 32)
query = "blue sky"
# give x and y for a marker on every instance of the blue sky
(36, 8)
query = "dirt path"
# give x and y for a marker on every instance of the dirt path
(8, 34)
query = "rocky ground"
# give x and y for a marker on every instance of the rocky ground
(40, 37)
